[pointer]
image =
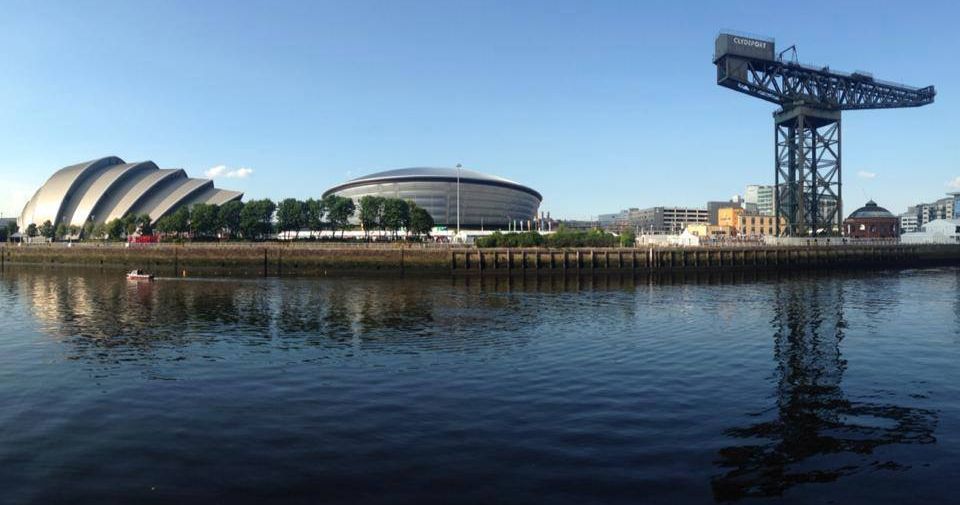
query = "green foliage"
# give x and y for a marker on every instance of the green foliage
(144, 224)
(46, 229)
(176, 223)
(31, 230)
(290, 215)
(74, 230)
(371, 212)
(204, 220)
(256, 219)
(563, 238)
(396, 214)
(99, 231)
(88, 230)
(229, 217)
(339, 211)
(421, 222)
(61, 231)
(313, 211)
(129, 224)
(524, 239)
(115, 229)
(628, 239)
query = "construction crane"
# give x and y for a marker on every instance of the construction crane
(807, 124)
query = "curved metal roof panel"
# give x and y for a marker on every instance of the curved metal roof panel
(221, 196)
(178, 196)
(109, 188)
(102, 185)
(50, 200)
(144, 188)
(433, 174)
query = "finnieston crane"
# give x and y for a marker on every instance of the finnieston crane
(807, 125)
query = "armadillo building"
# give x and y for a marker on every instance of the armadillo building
(109, 188)
(485, 200)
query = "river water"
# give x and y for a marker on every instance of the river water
(839, 388)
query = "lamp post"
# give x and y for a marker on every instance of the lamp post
(459, 166)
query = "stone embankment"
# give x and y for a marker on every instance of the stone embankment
(311, 259)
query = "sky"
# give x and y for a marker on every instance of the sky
(599, 105)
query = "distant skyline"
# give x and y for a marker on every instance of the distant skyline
(600, 106)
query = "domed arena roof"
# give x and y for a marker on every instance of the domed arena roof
(433, 174)
(109, 188)
(871, 211)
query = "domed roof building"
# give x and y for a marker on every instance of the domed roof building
(871, 221)
(108, 188)
(485, 200)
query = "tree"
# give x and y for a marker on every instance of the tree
(99, 231)
(88, 229)
(165, 225)
(370, 212)
(31, 230)
(115, 229)
(421, 222)
(290, 215)
(204, 219)
(178, 222)
(313, 212)
(339, 211)
(229, 217)
(628, 239)
(396, 214)
(46, 229)
(256, 218)
(61, 231)
(144, 224)
(129, 224)
(74, 230)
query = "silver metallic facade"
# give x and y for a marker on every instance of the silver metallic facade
(109, 188)
(485, 200)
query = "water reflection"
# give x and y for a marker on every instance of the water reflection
(813, 417)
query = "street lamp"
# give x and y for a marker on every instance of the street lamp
(459, 166)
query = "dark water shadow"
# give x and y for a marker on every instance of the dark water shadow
(816, 434)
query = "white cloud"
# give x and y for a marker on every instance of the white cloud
(863, 174)
(955, 183)
(224, 171)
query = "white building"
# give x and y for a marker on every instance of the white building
(939, 231)
(909, 223)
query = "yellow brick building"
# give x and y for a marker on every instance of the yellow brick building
(747, 225)
(708, 230)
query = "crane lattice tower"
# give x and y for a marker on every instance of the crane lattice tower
(807, 125)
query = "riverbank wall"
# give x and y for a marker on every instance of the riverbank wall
(310, 259)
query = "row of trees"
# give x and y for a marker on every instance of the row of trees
(333, 213)
(254, 220)
(393, 214)
(562, 238)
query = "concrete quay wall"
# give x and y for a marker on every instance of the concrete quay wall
(272, 259)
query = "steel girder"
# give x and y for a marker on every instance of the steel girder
(791, 84)
(807, 172)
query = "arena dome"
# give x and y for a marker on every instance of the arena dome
(108, 188)
(485, 200)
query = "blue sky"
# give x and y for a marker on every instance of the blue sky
(599, 105)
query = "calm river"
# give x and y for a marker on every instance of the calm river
(795, 389)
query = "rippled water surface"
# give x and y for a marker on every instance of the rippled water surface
(798, 389)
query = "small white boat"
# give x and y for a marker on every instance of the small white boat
(139, 275)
